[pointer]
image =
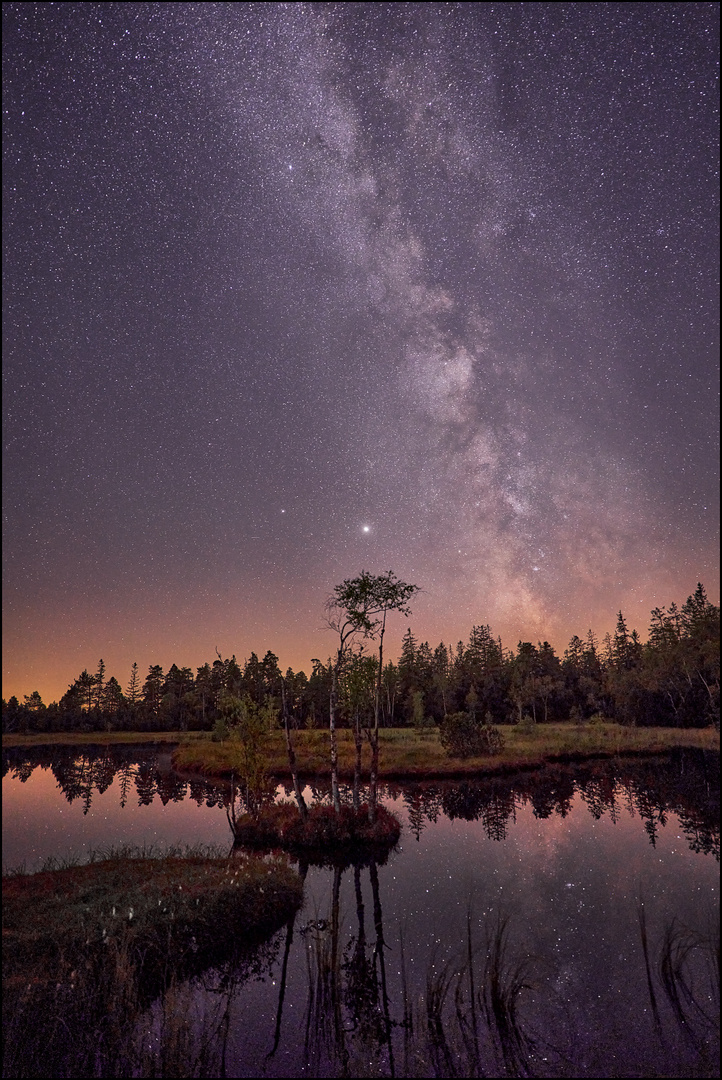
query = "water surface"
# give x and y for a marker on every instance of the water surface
(579, 904)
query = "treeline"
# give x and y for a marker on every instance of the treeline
(672, 679)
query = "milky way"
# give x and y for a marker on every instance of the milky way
(293, 290)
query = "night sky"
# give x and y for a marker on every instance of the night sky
(296, 290)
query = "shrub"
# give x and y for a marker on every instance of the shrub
(220, 731)
(462, 736)
(527, 725)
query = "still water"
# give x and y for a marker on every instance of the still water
(563, 922)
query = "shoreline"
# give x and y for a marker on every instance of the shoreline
(405, 753)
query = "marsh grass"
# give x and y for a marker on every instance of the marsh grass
(121, 851)
(689, 973)
(683, 971)
(87, 949)
(417, 754)
(471, 1021)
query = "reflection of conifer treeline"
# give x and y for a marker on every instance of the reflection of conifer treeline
(81, 774)
(684, 782)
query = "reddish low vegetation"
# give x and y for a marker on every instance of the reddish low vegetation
(154, 907)
(87, 949)
(280, 825)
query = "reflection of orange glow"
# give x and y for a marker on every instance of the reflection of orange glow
(60, 827)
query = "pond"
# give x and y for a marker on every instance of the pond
(563, 922)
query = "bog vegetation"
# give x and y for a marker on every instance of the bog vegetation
(87, 949)
(670, 680)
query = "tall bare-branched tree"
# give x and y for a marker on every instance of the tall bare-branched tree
(359, 607)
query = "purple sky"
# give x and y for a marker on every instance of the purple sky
(295, 290)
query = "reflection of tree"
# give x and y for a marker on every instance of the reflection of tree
(598, 792)
(126, 773)
(171, 788)
(381, 957)
(702, 838)
(81, 774)
(324, 1035)
(684, 782)
(493, 803)
(423, 803)
(303, 870)
(348, 1019)
(651, 814)
(496, 815)
(413, 800)
(103, 772)
(361, 996)
(552, 793)
(23, 771)
(75, 779)
(145, 783)
(196, 791)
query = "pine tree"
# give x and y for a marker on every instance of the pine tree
(153, 688)
(133, 691)
(113, 699)
(574, 652)
(99, 684)
(86, 685)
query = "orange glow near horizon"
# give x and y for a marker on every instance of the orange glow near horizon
(48, 652)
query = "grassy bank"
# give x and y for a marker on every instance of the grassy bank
(404, 751)
(87, 948)
(157, 907)
(418, 754)
(100, 738)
